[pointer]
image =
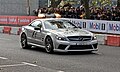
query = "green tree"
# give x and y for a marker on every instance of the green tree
(101, 3)
(86, 6)
(118, 3)
(55, 3)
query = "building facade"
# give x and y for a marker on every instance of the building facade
(17, 7)
(20, 7)
(43, 3)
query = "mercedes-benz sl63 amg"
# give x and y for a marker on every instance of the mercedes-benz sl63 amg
(57, 35)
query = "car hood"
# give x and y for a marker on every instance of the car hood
(71, 32)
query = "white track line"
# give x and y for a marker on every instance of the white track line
(29, 64)
(3, 58)
(26, 63)
(14, 65)
(41, 67)
(60, 71)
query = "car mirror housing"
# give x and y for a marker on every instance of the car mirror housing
(37, 28)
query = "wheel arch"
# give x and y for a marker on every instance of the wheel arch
(23, 33)
(50, 37)
(52, 42)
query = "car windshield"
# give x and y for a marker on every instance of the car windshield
(58, 24)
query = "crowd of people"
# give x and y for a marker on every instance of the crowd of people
(96, 13)
(105, 13)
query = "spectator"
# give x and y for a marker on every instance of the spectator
(97, 13)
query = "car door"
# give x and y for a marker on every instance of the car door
(32, 32)
(40, 34)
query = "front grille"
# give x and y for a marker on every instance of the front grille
(62, 47)
(79, 38)
(80, 47)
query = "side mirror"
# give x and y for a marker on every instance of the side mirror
(37, 28)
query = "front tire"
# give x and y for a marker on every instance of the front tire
(24, 42)
(49, 45)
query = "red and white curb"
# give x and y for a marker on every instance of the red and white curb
(10, 30)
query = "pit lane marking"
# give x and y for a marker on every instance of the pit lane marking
(3, 58)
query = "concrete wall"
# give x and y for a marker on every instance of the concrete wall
(17, 7)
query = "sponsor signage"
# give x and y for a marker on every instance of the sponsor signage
(23, 20)
(114, 27)
(97, 26)
(3, 20)
(12, 20)
(16, 20)
(80, 23)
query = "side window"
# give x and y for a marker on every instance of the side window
(36, 24)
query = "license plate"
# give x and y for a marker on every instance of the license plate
(83, 43)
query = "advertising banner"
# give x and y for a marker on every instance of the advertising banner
(91, 25)
(97, 26)
(24, 20)
(12, 20)
(3, 20)
(17, 20)
(79, 23)
(113, 27)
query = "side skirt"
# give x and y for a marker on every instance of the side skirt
(36, 45)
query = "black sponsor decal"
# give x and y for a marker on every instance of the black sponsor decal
(84, 24)
(103, 26)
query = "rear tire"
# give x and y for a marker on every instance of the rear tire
(49, 45)
(24, 43)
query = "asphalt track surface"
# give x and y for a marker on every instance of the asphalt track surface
(15, 59)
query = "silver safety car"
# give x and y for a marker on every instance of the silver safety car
(57, 35)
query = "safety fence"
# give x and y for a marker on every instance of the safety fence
(101, 26)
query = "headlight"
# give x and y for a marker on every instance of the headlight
(61, 38)
(94, 37)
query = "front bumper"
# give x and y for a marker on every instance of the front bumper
(66, 46)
